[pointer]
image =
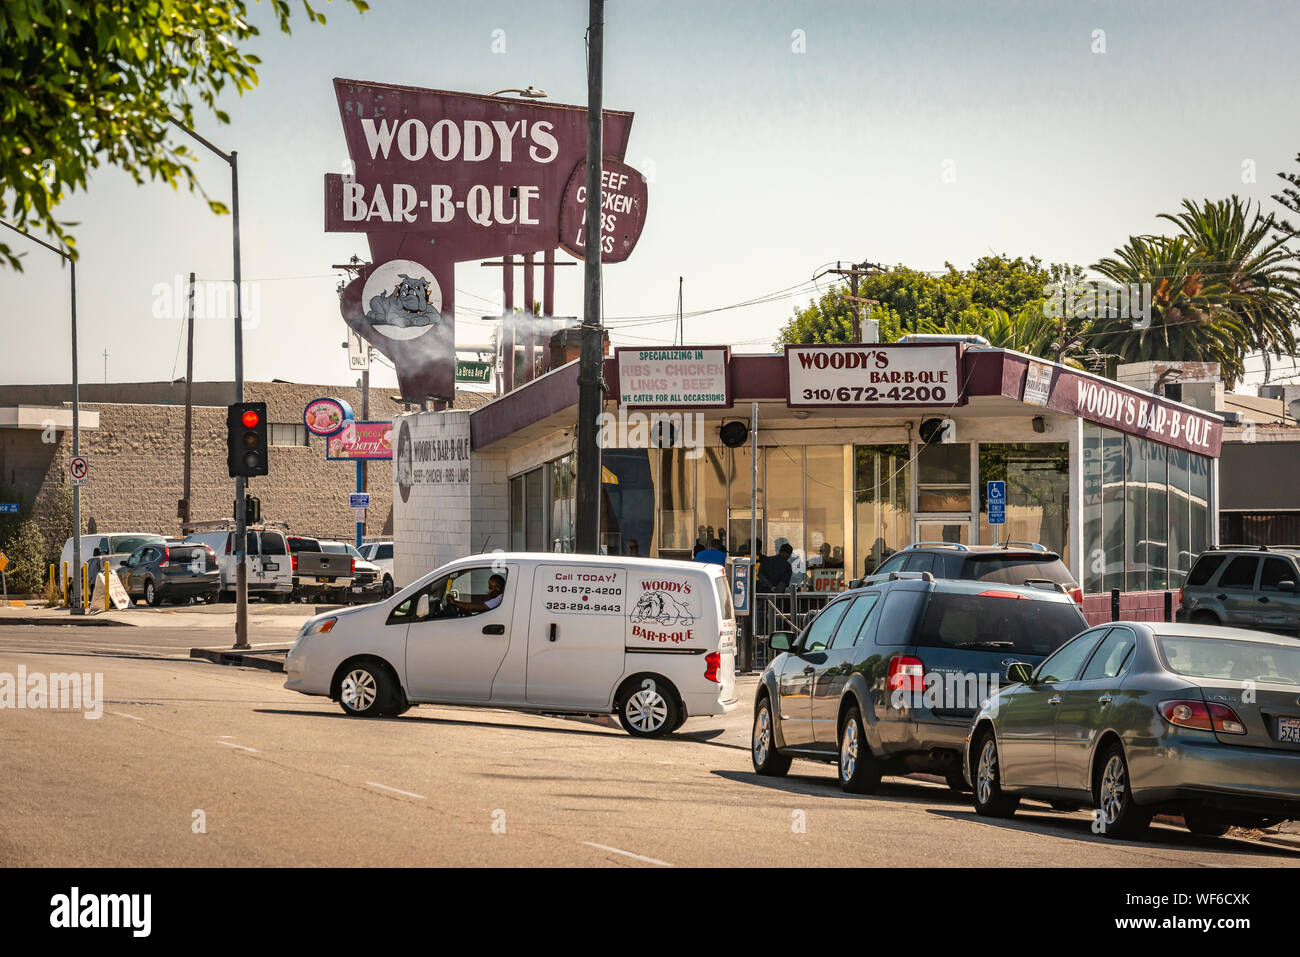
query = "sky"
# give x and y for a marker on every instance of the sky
(777, 138)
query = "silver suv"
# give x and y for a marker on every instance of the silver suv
(1244, 586)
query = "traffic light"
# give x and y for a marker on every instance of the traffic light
(246, 443)
(252, 510)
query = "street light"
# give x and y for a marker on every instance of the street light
(241, 513)
(532, 93)
(76, 608)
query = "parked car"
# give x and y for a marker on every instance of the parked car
(267, 563)
(651, 641)
(886, 678)
(1011, 563)
(1135, 718)
(1245, 586)
(381, 554)
(318, 575)
(366, 580)
(115, 548)
(161, 573)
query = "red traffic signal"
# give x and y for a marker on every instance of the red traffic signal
(246, 439)
(250, 418)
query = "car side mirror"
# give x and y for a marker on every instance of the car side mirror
(1019, 672)
(1286, 586)
(781, 640)
(422, 607)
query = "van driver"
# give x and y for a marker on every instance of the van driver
(496, 587)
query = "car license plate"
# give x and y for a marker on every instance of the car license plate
(325, 581)
(1288, 730)
(356, 589)
(270, 566)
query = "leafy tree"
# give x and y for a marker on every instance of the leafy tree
(25, 549)
(1289, 199)
(91, 82)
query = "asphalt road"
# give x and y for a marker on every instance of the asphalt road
(276, 778)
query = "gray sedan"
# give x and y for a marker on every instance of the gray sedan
(1135, 718)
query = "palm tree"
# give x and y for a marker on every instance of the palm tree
(1261, 284)
(1189, 317)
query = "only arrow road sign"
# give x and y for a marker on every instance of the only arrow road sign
(79, 470)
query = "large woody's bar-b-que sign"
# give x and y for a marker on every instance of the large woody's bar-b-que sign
(438, 178)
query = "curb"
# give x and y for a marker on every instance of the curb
(246, 659)
(70, 620)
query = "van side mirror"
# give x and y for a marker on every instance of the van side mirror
(1019, 672)
(1286, 586)
(781, 640)
(422, 607)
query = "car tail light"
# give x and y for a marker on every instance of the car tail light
(1077, 595)
(228, 538)
(712, 662)
(293, 562)
(1180, 597)
(354, 566)
(906, 674)
(167, 555)
(993, 593)
(1203, 717)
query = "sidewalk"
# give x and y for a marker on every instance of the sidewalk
(220, 616)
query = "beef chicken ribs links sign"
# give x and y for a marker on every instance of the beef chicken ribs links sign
(435, 178)
(695, 377)
(906, 374)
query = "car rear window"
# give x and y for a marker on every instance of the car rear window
(304, 545)
(1231, 660)
(1011, 570)
(272, 543)
(126, 544)
(186, 554)
(1204, 569)
(723, 589)
(989, 623)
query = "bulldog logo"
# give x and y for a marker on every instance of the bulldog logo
(409, 304)
(663, 609)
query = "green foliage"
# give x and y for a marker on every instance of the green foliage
(55, 522)
(85, 83)
(25, 549)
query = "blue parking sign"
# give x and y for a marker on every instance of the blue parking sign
(997, 500)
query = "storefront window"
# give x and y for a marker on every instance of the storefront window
(1149, 521)
(627, 517)
(882, 476)
(824, 522)
(517, 540)
(562, 504)
(676, 503)
(534, 511)
(943, 478)
(1038, 493)
(711, 496)
(784, 487)
(739, 513)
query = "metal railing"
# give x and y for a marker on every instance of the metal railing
(783, 611)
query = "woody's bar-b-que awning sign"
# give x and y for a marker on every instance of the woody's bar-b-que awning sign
(436, 178)
(897, 374)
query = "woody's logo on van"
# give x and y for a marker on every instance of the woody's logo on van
(662, 608)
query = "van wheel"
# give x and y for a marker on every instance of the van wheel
(990, 801)
(859, 769)
(366, 690)
(648, 707)
(1113, 791)
(767, 760)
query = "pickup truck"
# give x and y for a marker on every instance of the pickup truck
(318, 574)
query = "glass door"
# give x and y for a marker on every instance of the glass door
(942, 528)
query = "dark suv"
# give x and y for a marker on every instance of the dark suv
(1011, 563)
(887, 678)
(171, 572)
(1244, 586)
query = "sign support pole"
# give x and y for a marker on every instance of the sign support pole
(591, 359)
(361, 483)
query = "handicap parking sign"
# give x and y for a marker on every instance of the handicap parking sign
(997, 498)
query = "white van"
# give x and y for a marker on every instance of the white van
(117, 547)
(270, 571)
(651, 641)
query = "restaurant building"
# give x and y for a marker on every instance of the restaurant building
(856, 451)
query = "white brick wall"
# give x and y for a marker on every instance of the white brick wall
(443, 521)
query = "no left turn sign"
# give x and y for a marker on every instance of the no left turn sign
(79, 470)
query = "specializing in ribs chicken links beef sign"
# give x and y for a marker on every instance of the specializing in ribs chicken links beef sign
(898, 374)
(695, 377)
(435, 178)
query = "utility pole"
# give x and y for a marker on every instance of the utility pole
(854, 271)
(105, 367)
(591, 359)
(187, 509)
